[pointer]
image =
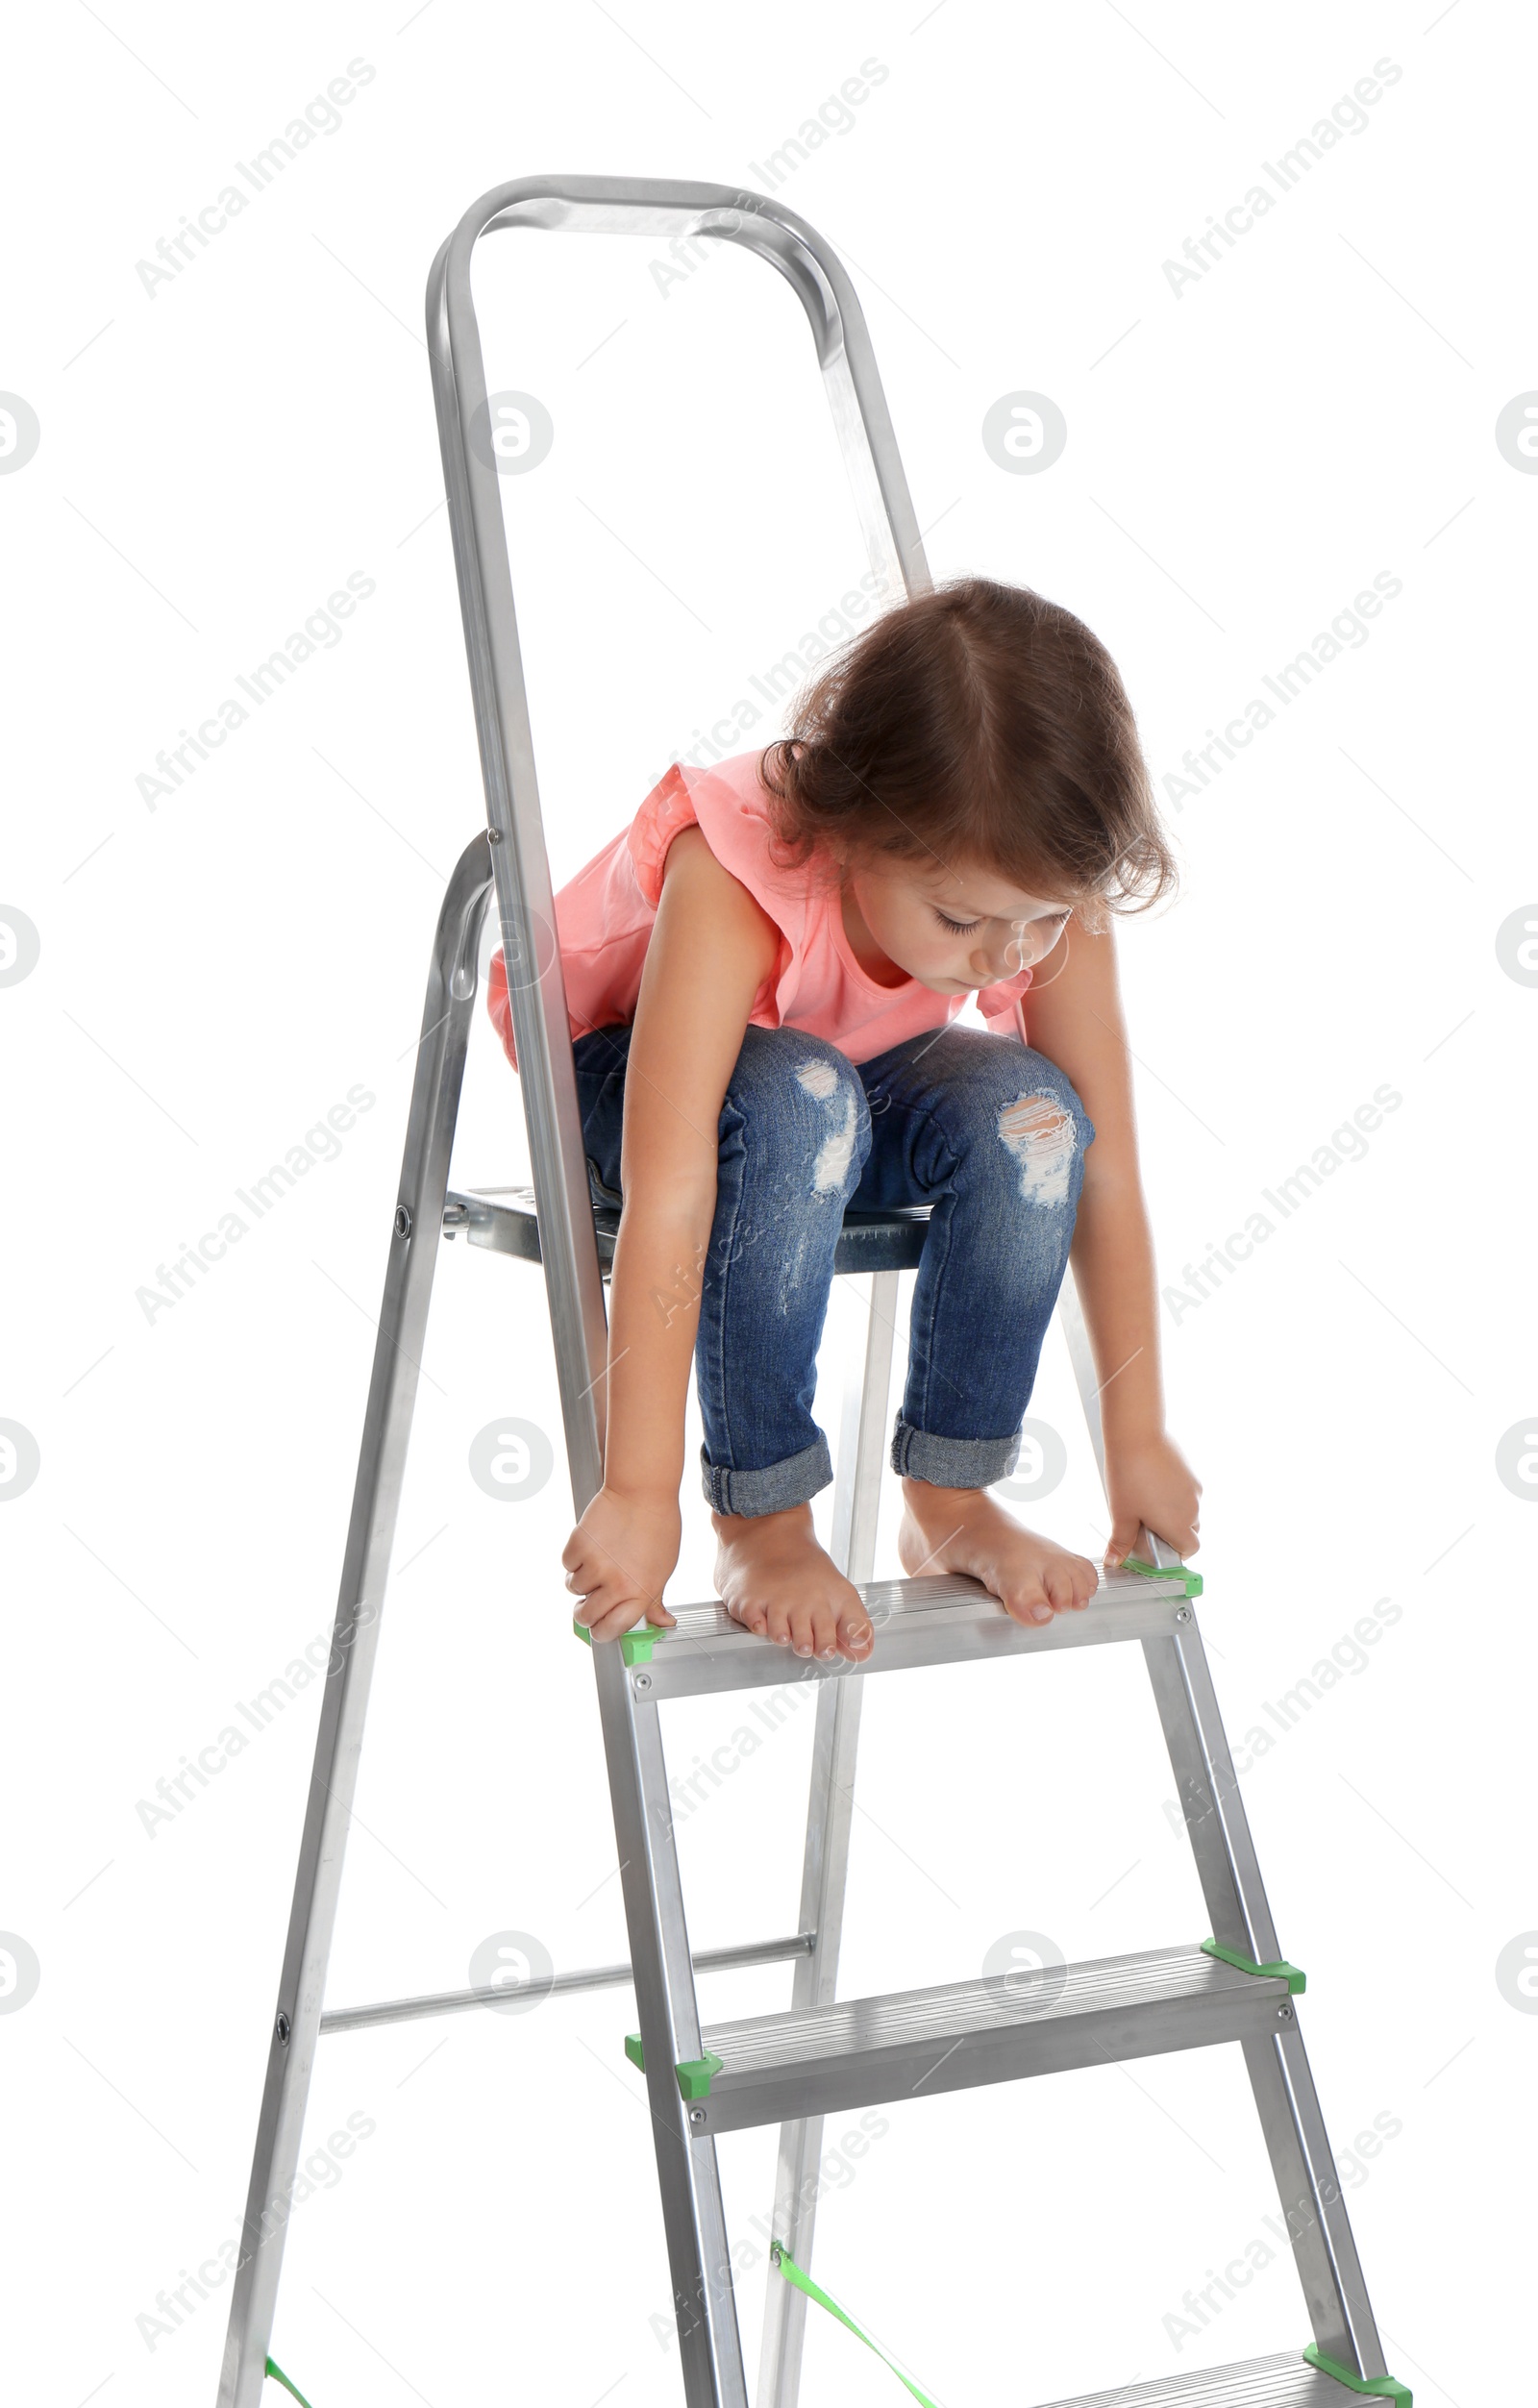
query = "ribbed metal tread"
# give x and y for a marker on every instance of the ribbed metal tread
(946, 1619)
(1283, 2381)
(955, 2035)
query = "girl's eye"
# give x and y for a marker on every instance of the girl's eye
(958, 928)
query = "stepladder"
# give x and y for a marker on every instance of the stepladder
(823, 2054)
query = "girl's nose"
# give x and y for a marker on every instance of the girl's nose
(1017, 953)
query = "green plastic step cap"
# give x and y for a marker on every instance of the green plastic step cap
(634, 1646)
(1370, 2387)
(694, 2075)
(1165, 1571)
(693, 2072)
(1295, 1978)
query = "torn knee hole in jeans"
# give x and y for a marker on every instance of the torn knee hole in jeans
(1040, 1136)
(831, 1169)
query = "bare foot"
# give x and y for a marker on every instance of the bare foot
(965, 1530)
(772, 1576)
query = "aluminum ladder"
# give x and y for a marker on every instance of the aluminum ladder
(824, 2056)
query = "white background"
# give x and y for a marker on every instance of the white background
(1243, 457)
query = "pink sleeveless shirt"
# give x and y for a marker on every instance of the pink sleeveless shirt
(604, 918)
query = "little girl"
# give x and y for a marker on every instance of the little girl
(762, 972)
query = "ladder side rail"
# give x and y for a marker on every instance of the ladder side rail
(546, 1071)
(1234, 1893)
(355, 1639)
(1313, 2204)
(1228, 1870)
(688, 2177)
(824, 1867)
(1207, 1787)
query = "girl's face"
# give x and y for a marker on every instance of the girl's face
(953, 926)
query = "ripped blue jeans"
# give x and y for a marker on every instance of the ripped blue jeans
(980, 1127)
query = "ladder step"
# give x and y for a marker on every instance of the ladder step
(913, 2044)
(1283, 2381)
(506, 1222)
(945, 1619)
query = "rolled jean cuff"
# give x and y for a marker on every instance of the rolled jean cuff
(917, 1454)
(773, 1490)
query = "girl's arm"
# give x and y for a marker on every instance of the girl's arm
(710, 950)
(1074, 1017)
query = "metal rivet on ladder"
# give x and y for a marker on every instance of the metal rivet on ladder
(1183, 1613)
(642, 1681)
(493, 835)
(1284, 2015)
(403, 1220)
(696, 2115)
(284, 2028)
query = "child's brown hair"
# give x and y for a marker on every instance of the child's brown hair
(978, 723)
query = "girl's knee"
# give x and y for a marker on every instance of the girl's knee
(1044, 1132)
(1026, 1123)
(804, 1109)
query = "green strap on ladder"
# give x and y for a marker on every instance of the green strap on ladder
(793, 2273)
(278, 2377)
(1378, 2386)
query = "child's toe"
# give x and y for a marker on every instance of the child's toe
(824, 1631)
(803, 1629)
(855, 1632)
(1028, 1602)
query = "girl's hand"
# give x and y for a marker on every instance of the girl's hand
(1149, 1482)
(618, 1560)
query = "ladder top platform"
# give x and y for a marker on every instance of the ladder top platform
(944, 1619)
